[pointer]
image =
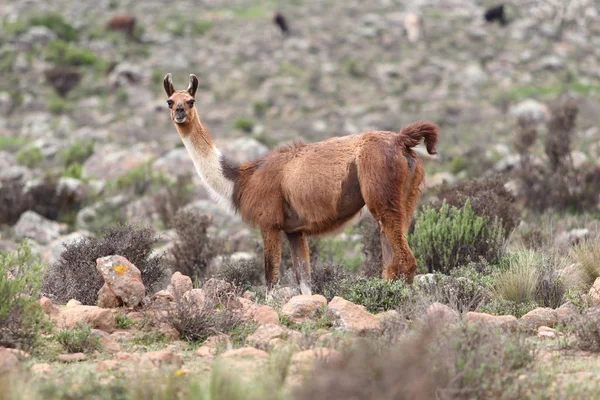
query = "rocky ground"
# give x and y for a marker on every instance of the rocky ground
(86, 142)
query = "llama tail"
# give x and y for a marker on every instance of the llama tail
(411, 135)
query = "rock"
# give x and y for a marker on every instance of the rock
(212, 344)
(41, 368)
(72, 303)
(530, 110)
(245, 353)
(507, 322)
(195, 298)
(8, 361)
(442, 314)
(594, 292)
(122, 278)
(163, 296)
(108, 365)
(244, 148)
(179, 284)
(303, 362)
(265, 315)
(74, 188)
(261, 337)
(111, 161)
(175, 163)
(125, 74)
(352, 317)
(51, 253)
(205, 351)
(33, 226)
(303, 307)
(69, 317)
(571, 237)
(162, 357)
(107, 299)
(71, 358)
(217, 290)
(567, 312)
(439, 179)
(540, 316)
(37, 34)
(545, 332)
(284, 294)
(108, 343)
(124, 356)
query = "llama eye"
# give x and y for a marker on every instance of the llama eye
(170, 103)
(191, 103)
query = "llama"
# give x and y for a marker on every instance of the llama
(312, 189)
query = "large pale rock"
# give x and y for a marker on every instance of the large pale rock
(264, 334)
(112, 161)
(567, 312)
(545, 332)
(303, 362)
(162, 357)
(218, 290)
(540, 316)
(71, 358)
(109, 344)
(122, 278)
(594, 292)
(179, 284)
(282, 295)
(507, 322)
(69, 317)
(41, 368)
(442, 314)
(352, 317)
(51, 253)
(8, 361)
(31, 225)
(303, 307)
(264, 315)
(195, 298)
(246, 353)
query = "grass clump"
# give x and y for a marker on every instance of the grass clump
(58, 105)
(193, 250)
(123, 321)
(376, 294)
(445, 238)
(77, 153)
(245, 124)
(30, 157)
(329, 279)
(62, 53)
(585, 256)
(74, 275)
(79, 339)
(21, 318)
(57, 24)
(586, 329)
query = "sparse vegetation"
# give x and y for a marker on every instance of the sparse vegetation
(243, 274)
(30, 157)
(376, 294)
(123, 321)
(245, 124)
(79, 339)
(63, 53)
(21, 318)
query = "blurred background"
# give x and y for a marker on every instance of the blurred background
(86, 139)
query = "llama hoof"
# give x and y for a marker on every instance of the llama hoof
(305, 289)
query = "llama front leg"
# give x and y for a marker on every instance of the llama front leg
(272, 255)
(300, 260)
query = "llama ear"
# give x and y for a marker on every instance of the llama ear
(168, 85)
(193, 86)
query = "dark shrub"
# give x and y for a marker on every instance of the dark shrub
(74, 275)
(329, 279)
(14, 201)
(587, 330)
(63, 79)
(193, 250)
(488, 197)
(243, 274)
(21, 317)
(171, 198)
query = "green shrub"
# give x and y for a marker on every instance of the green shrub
(449, 237)
(141, 179)
(63, 53)
(57, 24)
(376, 294)
(77, 152)
(79, 339)
(245, 124)
(10, 143)
(30, 157)
(260, 108)
(586, 264)
(58, 105)
(123, 321)
(21, 317)
(201, 27)
(8, 58)
(74, 170)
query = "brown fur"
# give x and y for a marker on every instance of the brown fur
(312, 189)
(123, 23)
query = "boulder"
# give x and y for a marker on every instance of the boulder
(507, 322)
(51, 253)
(122, 278)
(108, 365)
(69, 317)
(245, 353)
(31, 225)
(567, 312)
(303, 307)
(179, 284)
(195, 298)
(442, 314)
(264, 315)
(351, 317)
(8, 361)
(540, 316)
(264, 334)
(107, 299)
(594, 292)
(218, 290)
(71, 358)
(41, 368)
(282, 295)
(162, 357)
(545, 332)
(108, 343)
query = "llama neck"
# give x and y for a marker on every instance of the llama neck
(209, 162)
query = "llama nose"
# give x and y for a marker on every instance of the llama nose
(179, 107)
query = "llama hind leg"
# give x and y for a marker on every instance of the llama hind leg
(272, 255)
(402, 262)
(300, 260)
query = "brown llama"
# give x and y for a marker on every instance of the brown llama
(312, 189)
(123, 23)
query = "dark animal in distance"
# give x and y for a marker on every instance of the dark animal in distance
(496, 13)
(122, 23)
(281, 22)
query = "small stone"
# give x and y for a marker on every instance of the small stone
(108, 365)
(352, 317)
(303, 307)
(545, 332)
(265, 315)
(442, 314)
(71, 358)
(163, 296)
(123, 278)
(162, 357)
(179, 284)
(261, 337)
(124, 356)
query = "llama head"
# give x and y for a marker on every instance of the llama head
(181, 102)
